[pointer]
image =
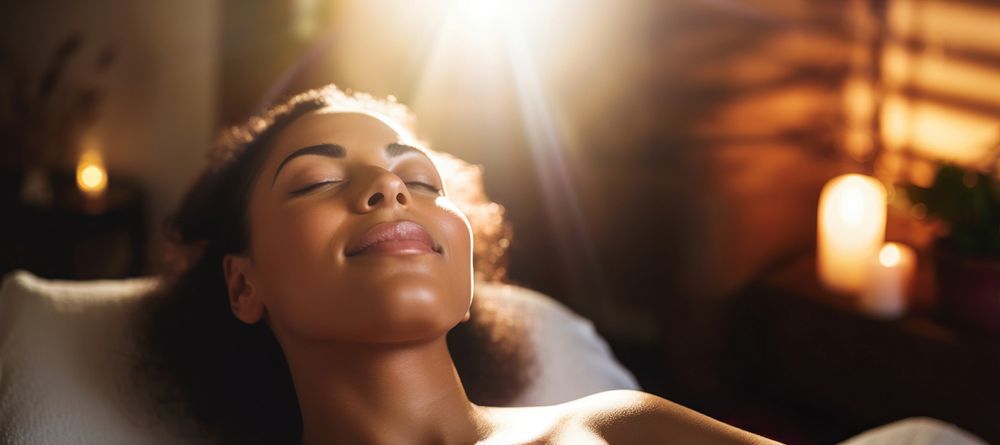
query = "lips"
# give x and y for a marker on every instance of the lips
(393, 238)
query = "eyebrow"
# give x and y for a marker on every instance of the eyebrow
(396, 149)
(328, 150)
(393, 150)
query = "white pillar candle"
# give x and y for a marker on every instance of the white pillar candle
(851, 230)
(887, 291)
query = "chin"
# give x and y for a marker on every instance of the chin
(412, 313)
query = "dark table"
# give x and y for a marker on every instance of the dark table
(797, 344)
(75, 236)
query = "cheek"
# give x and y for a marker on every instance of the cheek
(458, 233)
(298, 237)
(294, 250)
(455, 222)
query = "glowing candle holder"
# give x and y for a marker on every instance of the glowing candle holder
(91, 176)
(851, 230)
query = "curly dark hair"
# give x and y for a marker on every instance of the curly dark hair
(199, 358)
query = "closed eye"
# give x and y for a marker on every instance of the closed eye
(312, 187)
(424, 185)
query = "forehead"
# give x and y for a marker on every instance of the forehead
(355, 131)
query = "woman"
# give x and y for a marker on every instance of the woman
(325, 264)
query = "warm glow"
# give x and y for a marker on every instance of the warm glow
(482, 25)
(937, 103)
(859, 101)
(889, 255)
(895, 123)
(897, 65)
(306, 18)
(859, 108)
(951, 24)
(481, 10)
(936, 72)
(859, 143)
(938, 131)
(952, 134)
(498, 70)
(91, 177)
(852, 213)
(852, 205)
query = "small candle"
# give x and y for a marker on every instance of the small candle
(91, 177)
(851, 229)
(885, 296)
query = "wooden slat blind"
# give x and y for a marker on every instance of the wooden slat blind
(937, 85)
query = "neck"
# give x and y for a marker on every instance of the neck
(381, 394)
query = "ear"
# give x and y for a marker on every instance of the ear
(244, 296)
(468, 314)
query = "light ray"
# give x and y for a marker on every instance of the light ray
(484, 49)
(555, 177)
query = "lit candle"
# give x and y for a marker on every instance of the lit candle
(885, 296)
(91, 177)
(850, 232)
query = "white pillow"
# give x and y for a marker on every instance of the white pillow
(64, 367)
(573, 360)
(65, 360)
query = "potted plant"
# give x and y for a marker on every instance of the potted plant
(967, 257)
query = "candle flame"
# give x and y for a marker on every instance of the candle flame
(91, 176)
(889, 255)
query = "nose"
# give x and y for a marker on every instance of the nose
(382, 189)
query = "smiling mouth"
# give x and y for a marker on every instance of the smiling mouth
(393, 238)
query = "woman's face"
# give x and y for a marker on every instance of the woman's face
(352, 237)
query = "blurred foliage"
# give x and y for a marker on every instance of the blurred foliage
(968, 201)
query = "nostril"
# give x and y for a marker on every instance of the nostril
(401, 198)
(375, 199)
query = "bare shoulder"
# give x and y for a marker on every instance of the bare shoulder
(620, 417)
(627, 417)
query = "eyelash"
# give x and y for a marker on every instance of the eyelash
(424, 185)
(312, 187)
